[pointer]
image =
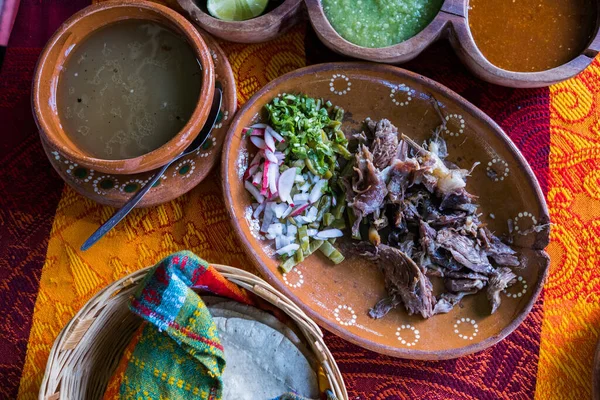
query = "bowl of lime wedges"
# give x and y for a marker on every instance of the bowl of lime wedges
(244, 21)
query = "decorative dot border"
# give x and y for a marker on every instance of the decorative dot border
(466, 321)
(342, 78)
(299, 280)
(461, 122)
(347, 322)
(192, 167)
(503, 166)
(522, 215)
(402, 88)
(102, 191)
(403, 340)
(225, 118)
(139, 182)
(520, 293)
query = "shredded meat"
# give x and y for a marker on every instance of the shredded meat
(368, 187)
(404, 282)
(501, 279)
(411, 195)
(384, 144)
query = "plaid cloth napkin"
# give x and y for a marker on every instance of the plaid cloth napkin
(176, 353)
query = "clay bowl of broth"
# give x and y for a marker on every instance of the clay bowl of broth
(524, 43)
(121, 88)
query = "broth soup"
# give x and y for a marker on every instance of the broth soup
(128, 89)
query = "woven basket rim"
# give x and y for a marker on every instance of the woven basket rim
(74, 332)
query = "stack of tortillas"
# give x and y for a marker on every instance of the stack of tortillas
(265, 358)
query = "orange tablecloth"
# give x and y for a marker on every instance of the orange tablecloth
(45, 279)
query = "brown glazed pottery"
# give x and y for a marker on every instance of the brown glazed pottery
(338, 297)
(451, 22)
(259, 29)
(113, 182)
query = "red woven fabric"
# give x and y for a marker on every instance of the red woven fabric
(30, 190)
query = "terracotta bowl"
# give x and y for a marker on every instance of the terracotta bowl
(451, 22)
(55, 54)
(116, 189)
(339, 297)
(259, 29)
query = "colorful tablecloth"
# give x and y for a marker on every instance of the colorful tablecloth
(45, 279)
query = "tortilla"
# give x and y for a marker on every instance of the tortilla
(262, 363)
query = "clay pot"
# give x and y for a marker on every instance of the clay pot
(56, 53)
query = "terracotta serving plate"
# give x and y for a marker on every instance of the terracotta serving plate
(259, 29)
(116, 189)
(339, 297)
(596, 374)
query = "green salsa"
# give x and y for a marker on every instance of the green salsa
(380, 23)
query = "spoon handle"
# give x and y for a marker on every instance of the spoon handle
(119, 215)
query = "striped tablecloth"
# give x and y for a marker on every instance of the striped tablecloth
(45, 279)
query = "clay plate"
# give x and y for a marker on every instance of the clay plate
(339, 297)
(115, 190)
(596, 374)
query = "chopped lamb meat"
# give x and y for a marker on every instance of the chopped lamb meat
(385, 143)
(500, 280)
(405, 283)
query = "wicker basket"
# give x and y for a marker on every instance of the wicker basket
(88, 349)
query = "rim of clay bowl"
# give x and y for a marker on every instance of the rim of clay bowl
(397, 53)
(260, 29)
(466, 48)
(44, 89)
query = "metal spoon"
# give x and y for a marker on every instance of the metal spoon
(195, 145)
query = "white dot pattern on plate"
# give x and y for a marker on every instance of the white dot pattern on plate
(516, 294)
(96, 184)
(345, 315)
(402, 95)
(191, 167)
(294, 278)
(139, 182)
(497, 169)
(521, 216)
(408, 335)
(460, 121)
(341, 88)
(468, 330)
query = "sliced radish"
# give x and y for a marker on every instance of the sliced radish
(257, 178)
(254, 192)
(269, 155)
(258, 142)
(259, 126)
(285, 184)
(269, 142)
(317, 191)
(329, 234)
(300, 198)
(287, 212)
(265, 178)
(273, 133)
(299, 210)
(253, 131)
(273, 178)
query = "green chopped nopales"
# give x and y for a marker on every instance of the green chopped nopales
(311, 131)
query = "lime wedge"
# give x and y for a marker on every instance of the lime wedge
(236, 10)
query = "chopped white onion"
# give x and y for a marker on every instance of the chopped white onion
(254, 191)
(329, 234)
(268, 217)
(300, 198)
(259, 126)
(288, 249)
(311, 232)
(259, 210)
(317, 191)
